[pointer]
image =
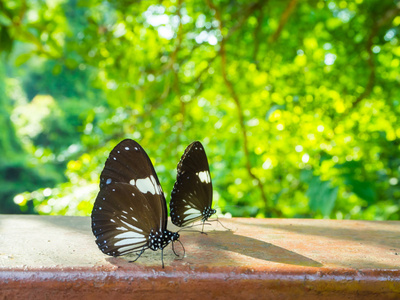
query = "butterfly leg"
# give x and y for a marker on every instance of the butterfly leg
(173, 249)
(222, 224)
(202, 229)
(217, 220)
(162, 257)
(141, 252)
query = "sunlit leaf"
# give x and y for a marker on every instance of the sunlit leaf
(23, 58)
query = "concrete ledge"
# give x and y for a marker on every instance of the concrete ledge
(55, 257)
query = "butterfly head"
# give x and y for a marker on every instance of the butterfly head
(175, 236)
(170, 237)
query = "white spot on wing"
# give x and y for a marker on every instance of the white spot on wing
(146, 185)
(126, 148)
(131, 226)
(129, 235)
(121, 228)
(132, 182)
(128, 241)
(130, 248)
(204, 176)
(193, 216)
(192, 211)
(157, 187)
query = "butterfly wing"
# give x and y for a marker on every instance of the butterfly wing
(131, 204)
(123, 218)
(126, 161)
(191, 197)
(129, 163)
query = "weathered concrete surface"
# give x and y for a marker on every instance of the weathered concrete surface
(56, 258)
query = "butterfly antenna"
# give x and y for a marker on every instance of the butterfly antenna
(141, 252)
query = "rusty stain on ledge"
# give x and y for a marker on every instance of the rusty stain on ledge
(56, 257)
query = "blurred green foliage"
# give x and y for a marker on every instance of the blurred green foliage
(296, 102)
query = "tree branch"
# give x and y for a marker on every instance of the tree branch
(245, 15)
(388, 17)
(235, 97)
(284, 18)
(176, 81)
(257, 31)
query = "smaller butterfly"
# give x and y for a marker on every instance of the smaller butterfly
(130, 211)
(191, 197)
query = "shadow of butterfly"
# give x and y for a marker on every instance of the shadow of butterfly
(191, 197)
(130, 211)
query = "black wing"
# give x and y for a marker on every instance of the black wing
(123, 218)
(191, 197)
(130, 207)
(129, 163)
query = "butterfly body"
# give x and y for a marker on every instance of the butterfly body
(130, 213)
(207, 213)
(191, 197)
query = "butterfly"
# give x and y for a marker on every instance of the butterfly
(191, 197)
(130, 211)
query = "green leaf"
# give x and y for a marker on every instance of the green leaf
(321, 196)
(363, 189)
(23, 58)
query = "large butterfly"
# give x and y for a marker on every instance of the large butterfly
(130, 211)
(191, 197)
